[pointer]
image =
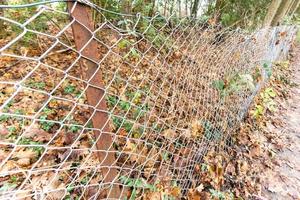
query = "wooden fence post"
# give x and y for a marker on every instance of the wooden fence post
(82, 33)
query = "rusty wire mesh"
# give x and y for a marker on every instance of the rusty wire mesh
(165, 91)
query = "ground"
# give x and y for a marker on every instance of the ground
(283, 182)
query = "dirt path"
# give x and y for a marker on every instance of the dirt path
(283, 181)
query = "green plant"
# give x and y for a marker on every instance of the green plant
(7, 186)
(8, 105)
(133, 53)
(112, 100)
(38, 149)
(165, 155)
(46, 125)
(120, 122)
(204, 167)
(267, 103)
(235, 83)
(123, 44)
(85, 179)
(4, 117)
(268, 69)
(13, 179)
(74, 128)
(69, 89)
(267, 97)
(37, 85)
(217, 194)
(218, 84)
(124, 105)
(19, 112)
(136, 184)
(11, 130)
(258, 111)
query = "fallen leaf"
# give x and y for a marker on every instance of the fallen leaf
(170, 134)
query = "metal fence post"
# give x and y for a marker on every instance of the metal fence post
(82, 31)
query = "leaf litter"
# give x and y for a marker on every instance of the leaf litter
(67, 164)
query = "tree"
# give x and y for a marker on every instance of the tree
(281, 12)
(271, 12)
(195, 8)
(218, 12)
(294, 7)
(246, 14)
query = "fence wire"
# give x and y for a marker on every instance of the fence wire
(122, 108)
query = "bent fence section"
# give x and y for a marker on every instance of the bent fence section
(121, 107)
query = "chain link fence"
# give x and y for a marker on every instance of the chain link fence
(122, 107)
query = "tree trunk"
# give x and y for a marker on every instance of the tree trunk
(172, 7)
(165, 7)
(126, 6)
(151, 12)
(272, 12)
(294, 7)
(186, 8)
(281, 12)
(195, 8)
(179, 8)
(218, 11)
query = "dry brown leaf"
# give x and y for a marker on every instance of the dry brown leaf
(25, 153)
(152, 196)
(197, 129)
(170, 134)
(37, 134)
(175, 192)
(23, 162)
(3, 131)
(193, 194)
(255, 150)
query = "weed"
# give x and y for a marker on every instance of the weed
(8, 105)
(165, 156)
(258, 111)
(85, 179)
(4, 117)
(112, 100)
(267, 102)
(124, 105)
(7, 186)
(267, 97)
(11, 130)
(217, 194)
(268, 69)
(70, 188)
(37, 85)
(69, 89)
(13, 179)
(47, 111)
(219, 85)
(90, 124)
(26, 141)
(122, 123)
(133, 53)
(123, 44)
(136, 184)
(19, 112)
(74, 128)
(46, 125)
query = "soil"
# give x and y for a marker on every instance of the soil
(283, 181)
